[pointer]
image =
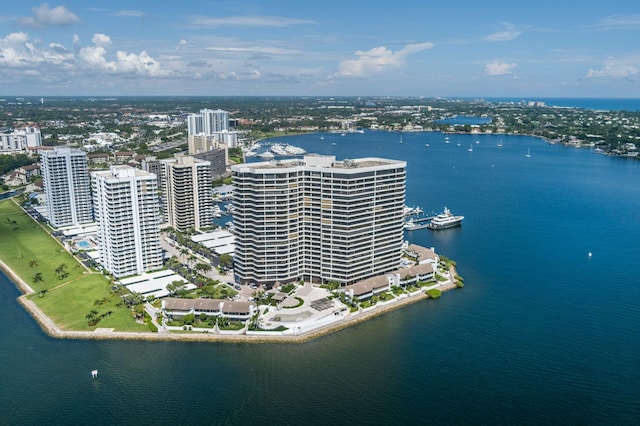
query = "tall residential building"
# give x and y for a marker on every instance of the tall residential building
(319, 219)
(208, 122)
(66, 186)
(187, 193)
(127, 213)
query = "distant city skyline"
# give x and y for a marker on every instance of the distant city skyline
(495, 48)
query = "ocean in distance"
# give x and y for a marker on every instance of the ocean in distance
(541, 332)
(604, 104)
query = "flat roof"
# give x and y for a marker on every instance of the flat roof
(154, 283)
(314, 162)
(228, 249)
(213, 235)
(219, 242)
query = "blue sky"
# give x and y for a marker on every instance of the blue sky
(334, 48)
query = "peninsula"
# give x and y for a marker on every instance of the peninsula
(72, 300)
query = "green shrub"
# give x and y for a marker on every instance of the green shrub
(434, 293)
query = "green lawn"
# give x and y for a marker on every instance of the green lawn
(67, 300)
(24, 241)
(69, 305)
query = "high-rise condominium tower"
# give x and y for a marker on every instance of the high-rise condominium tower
(208, 122)
(187, 193)
(320, 220)
(127, 212)
(67, 187)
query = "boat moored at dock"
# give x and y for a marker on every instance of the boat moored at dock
(445, 220)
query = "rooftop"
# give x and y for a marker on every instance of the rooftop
(320, 162)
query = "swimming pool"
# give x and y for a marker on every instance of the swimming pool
(83, 244)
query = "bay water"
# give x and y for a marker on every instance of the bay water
(541, 333)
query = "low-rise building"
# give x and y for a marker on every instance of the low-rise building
(234, 310)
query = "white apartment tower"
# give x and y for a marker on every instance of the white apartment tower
(187, 193)
(67, 187)
(127, 213)
(320, 220)
(208, 122)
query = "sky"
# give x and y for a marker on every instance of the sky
(493, 48)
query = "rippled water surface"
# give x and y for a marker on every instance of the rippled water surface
(541, 332)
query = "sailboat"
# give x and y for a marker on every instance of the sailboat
(400, 138)
(470, 148)
(500, 143)
(528, 154)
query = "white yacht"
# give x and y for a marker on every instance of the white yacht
(294, 150)
(267, 155)
(445, 220)
(279, 149)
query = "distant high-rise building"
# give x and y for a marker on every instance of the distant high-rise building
(127, 213)
(319, 219)
(208, 122)
(66, 186)
(187, 193)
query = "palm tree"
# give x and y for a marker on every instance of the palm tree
(92, 317)
(33, 264)
(203, 267)
(37, 278)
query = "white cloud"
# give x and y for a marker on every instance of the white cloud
(101, 40)
(44, 17)
(18, 51)
(142, 64)
(248, 21)
(255, 49)
(621, 21)
(508, 33)
(499, 68)
(617, 68)
(378, 60)
(131, 14)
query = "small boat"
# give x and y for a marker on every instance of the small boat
(426, 144)
(267, 155)
(528, 154)
(500, 143)
(413, 225)
(470, 149)
(478, 141)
